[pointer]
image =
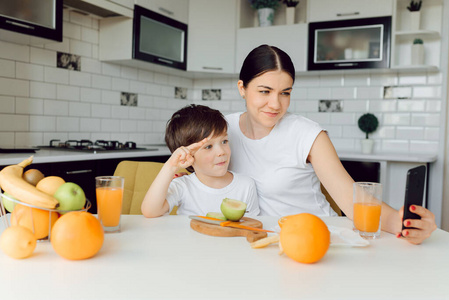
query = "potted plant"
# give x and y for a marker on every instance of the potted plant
(290, 11)
(418, 52)
(368, 123)
(415, 14)
(265, 10)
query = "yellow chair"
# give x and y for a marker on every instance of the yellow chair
(138, 177)
(331, 201)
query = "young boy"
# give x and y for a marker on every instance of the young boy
(197, 137)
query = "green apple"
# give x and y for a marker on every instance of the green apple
(70, 197)
(7, 203)
(216, 215)
(233, 209)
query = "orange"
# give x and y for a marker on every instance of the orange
(304, 237)
(17, 242)
(36, 220)
(77, 235)
(50, 184)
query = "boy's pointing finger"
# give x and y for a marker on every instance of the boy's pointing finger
(195, 146)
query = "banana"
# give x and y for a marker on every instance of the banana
(11, 181)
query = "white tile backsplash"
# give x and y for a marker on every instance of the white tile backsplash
(56, 75)
(40, 102)
(7, 104)
(42, 123)
(7, 68)
(44, 57)
(14, 52)
(7, 139)
(67, 92)
(80, 79)
(14, 87)
(101, 111)
(41, 90)
(29, 71)
(56, 108)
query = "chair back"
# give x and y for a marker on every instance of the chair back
(138, 177)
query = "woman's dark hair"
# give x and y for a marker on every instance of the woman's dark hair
(264, 59)
(192, 124)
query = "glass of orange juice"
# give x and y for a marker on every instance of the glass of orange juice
(109, 190)
(367, 209)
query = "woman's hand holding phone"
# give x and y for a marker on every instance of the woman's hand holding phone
(415, 231)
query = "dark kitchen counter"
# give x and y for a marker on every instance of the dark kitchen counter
(50, 156)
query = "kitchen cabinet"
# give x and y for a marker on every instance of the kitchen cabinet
(31, 22)
(295, 45)
(329, 10)
(429, 31)
(211, 36)
(103, 8)
(175, 9)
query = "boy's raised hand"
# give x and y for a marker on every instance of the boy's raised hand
(183, 157)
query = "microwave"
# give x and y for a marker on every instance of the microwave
(350, 44)
(159, 39)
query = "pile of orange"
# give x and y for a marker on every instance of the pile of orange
(37, 220)
(304, 237)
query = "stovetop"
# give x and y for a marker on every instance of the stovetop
(93, 147)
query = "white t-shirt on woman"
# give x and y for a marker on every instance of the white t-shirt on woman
(286, 183)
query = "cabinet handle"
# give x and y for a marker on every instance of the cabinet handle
(78, 172)
(165, 61)
(164, 10)
(213, 68)
(348, 14)
(19, 24)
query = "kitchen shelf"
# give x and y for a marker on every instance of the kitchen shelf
(418, 33)
(416, 68)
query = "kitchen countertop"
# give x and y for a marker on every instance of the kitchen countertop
(163, 258)
(398, 157)
(50, 156)
(46, 156)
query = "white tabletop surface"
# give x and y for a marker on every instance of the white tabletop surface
(164, 258)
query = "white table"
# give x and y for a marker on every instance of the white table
(164, 258)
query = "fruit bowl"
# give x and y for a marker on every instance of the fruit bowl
(39, 220)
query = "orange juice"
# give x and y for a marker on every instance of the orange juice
(367, 216)
(109, 203)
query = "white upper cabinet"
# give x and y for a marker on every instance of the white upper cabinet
(290, 38)
(211, 36)
(330, 10)
(175, 9)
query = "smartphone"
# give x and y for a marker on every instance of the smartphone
(414, 192)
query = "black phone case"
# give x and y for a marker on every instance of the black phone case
(414, 192)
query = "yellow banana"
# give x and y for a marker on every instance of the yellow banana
(11, 181)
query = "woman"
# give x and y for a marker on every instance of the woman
(288, 155)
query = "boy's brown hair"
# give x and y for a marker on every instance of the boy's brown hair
(192, 124)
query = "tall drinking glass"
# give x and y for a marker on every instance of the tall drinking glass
(367, 209)
(109, 191)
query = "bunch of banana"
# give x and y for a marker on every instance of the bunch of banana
(12, 182)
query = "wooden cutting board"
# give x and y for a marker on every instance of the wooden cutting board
(217, 230)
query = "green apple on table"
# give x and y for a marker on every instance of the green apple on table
(233, 209)
(70, 197)
(8, 204)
